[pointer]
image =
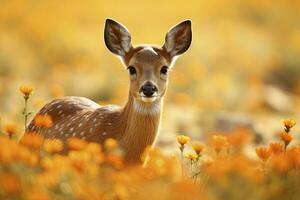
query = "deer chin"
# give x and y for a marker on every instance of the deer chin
(151, 99)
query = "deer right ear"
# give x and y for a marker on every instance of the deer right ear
(178, 39)
(117, 38)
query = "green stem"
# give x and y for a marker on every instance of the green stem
(181, 159)
(25, 113)
(191, 168)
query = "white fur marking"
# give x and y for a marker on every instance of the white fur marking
(147, 108)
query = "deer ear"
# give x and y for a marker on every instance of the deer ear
(117, 38)
(178, 39)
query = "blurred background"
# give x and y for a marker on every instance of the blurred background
(243, 67)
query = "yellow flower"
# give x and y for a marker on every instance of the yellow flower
(276, 148)
(43, 121)
(26, 90)
(288, 123)
(286, 138)
(10, 129)
(219, 142)
(191, 156)
(198, 147)
(263, 153)
(182, 139)
(110, 144)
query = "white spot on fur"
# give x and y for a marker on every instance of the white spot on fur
(149, 48)
(104, 133)
(80, 124)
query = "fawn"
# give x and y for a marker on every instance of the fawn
(135, 125)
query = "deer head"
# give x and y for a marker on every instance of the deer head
(148, 65)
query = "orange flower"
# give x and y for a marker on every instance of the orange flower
(276, 148)
(76, 144)
(53, 146)
(10, 129)
(263, 153)
(198, 147)
(280, 163)
(286, 138)
(219, 142)
(182, 139)
(32, 140)
(288, 123)
(26, 90)
(10, 183)
(293, 155)
(239, 137)
(43, 121)
(115, 160)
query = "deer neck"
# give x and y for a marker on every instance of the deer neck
(141, 122)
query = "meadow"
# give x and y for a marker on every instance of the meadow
(238, 87)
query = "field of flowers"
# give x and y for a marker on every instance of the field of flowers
(238, 87)
(34, 169)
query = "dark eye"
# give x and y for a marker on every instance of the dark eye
(132, 70)
(164, 70)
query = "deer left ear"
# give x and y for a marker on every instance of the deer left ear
(178, 39)
(117, 38)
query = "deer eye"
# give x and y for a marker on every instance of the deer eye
(132, 70)
(164, 70)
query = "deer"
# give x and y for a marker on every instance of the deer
(135, 125)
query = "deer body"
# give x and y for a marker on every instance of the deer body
(135, 125)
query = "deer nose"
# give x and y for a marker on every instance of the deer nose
(148, 89)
